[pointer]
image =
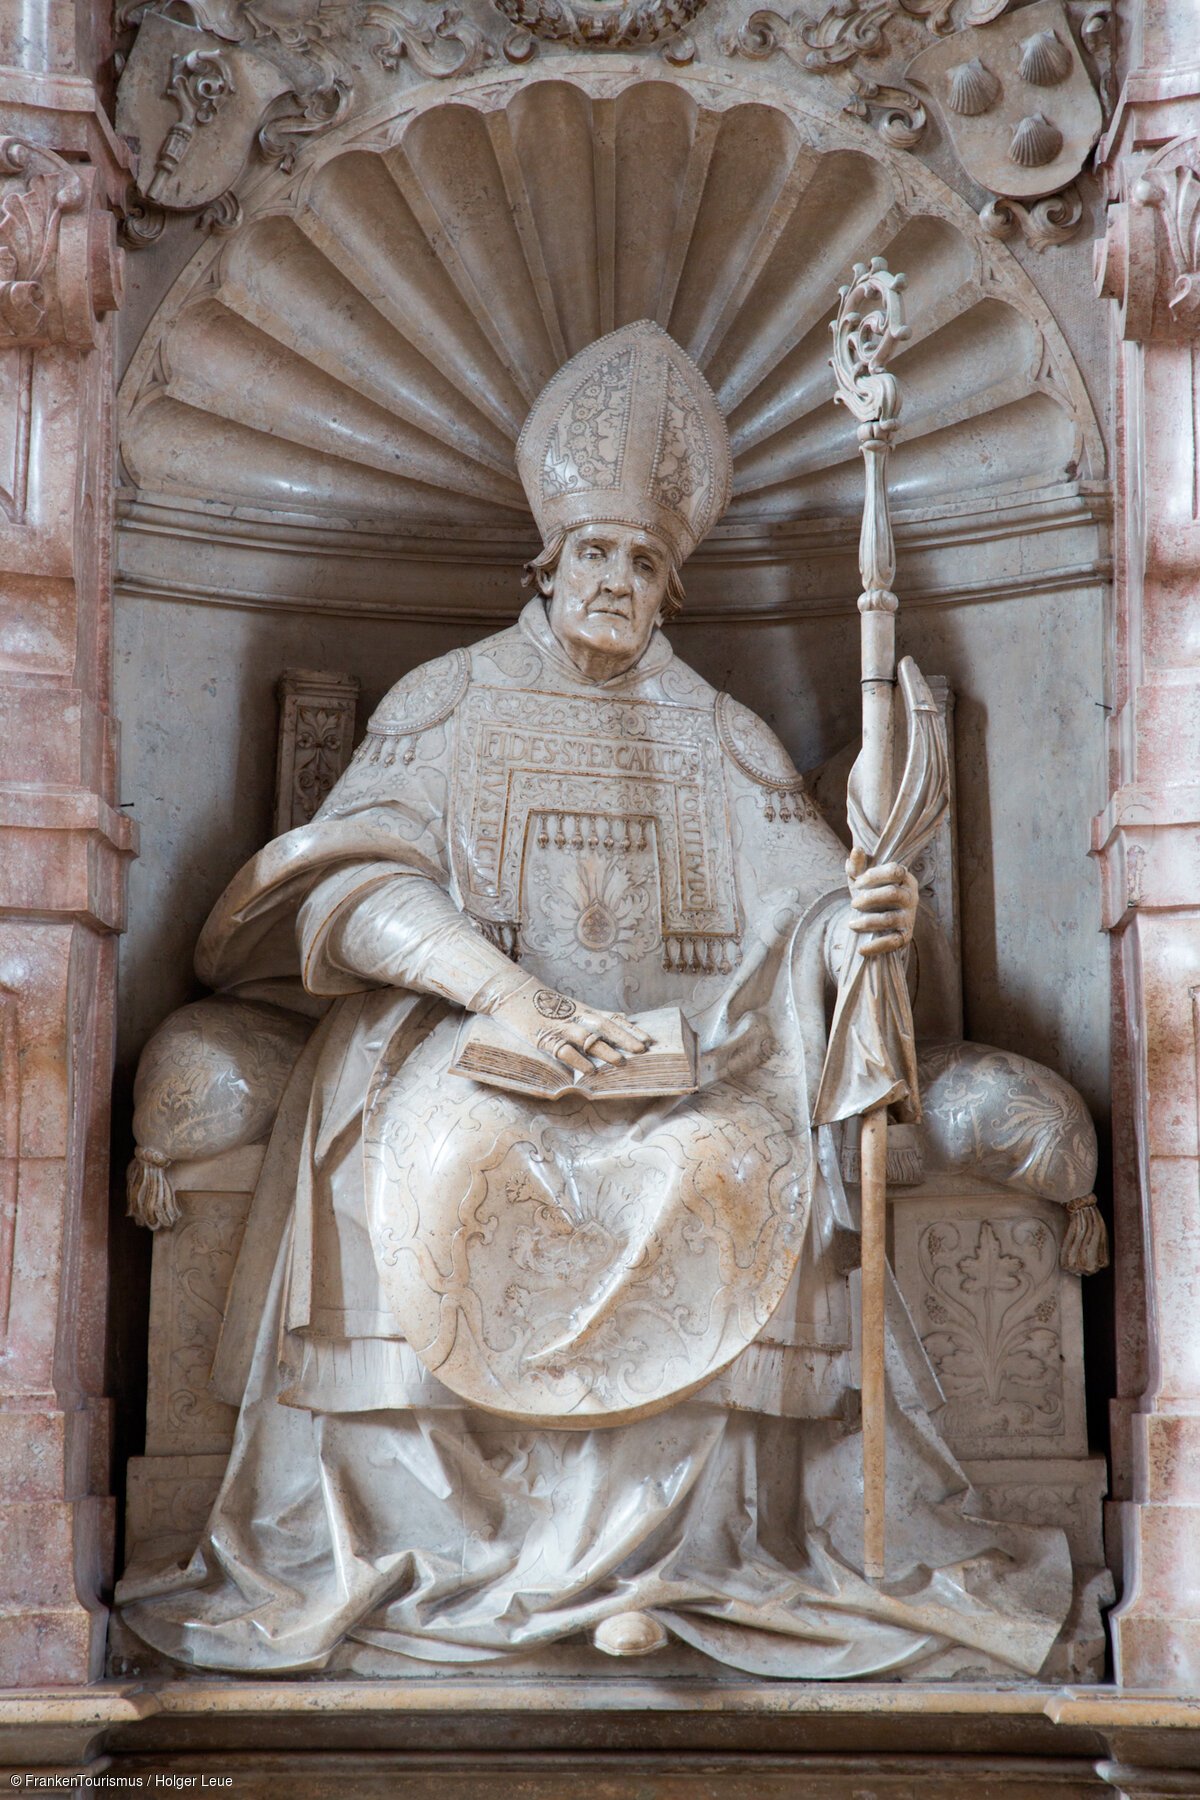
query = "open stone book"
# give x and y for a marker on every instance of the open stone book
(487, 1051)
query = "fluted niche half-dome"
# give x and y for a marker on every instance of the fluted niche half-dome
(365, 353)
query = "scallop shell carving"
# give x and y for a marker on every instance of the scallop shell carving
(1045, 59)
(973, 89)
(366, 361)
(1035, 142)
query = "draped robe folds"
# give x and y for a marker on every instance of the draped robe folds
(396, 1494)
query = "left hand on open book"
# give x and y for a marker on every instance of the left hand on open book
(884, 903)
(582, 1037)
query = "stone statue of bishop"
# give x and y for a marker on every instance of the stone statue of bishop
(516, 1370)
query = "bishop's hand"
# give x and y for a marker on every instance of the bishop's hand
(580, 1036)
(884, 904)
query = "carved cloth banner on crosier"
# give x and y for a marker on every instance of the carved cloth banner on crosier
(871, 1042)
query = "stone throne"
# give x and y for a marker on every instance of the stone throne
(980, 1195)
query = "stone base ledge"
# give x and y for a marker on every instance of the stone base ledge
(604, 1739)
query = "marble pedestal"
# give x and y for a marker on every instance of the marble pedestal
(613, 1738)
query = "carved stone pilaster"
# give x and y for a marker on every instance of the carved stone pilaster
(1146, 842)
(60, 268)
(316, 737)
(64, 840)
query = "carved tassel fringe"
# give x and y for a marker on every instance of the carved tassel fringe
(1085, 1244)
(385, 749)
(785, 805)
(592, 831)
(149, 1191)
(700, 955)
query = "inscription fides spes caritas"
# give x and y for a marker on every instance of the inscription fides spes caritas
(532, 765)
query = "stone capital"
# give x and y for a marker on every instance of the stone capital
(1149, 258)
(60, 268)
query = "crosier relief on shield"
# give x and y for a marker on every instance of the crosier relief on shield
(541, 1330)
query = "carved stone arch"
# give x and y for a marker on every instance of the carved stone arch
(357, 355)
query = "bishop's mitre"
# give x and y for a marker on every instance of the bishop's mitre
(628, 432)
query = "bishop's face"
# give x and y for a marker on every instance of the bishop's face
(605, 596)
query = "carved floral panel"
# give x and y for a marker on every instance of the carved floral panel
(193, 1264)
(999, 1320)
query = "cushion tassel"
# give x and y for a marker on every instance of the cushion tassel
(151, 1197)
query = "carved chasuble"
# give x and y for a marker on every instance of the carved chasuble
(555, 1261)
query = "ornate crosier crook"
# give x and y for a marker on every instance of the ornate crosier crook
(871, 1060)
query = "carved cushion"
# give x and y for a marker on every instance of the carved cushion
(1002, 1117)
(212, 1076)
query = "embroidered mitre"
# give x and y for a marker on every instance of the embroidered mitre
(630, 433)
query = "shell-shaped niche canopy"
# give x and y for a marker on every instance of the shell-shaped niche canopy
(364, 354)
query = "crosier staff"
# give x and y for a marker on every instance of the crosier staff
(871, 1061)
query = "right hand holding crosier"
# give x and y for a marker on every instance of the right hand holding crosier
(582, 1037)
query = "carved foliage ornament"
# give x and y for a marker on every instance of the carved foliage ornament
(200, 94)
(602, 24)
(60, 268)
(1149, 262)
(828, 45)
(316, 737)
(991, 1327)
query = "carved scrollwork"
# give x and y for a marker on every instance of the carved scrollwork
(601, 24)
(519, 46)
(758, 37)
(1053, 220)
(222, 215)
(142, 222)
(896, 110)
(60, 268)
(868, 328)
(846, 30)
(426, 42)
(297, 116)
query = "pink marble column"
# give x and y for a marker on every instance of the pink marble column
(62, 840)
(1148, 840)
